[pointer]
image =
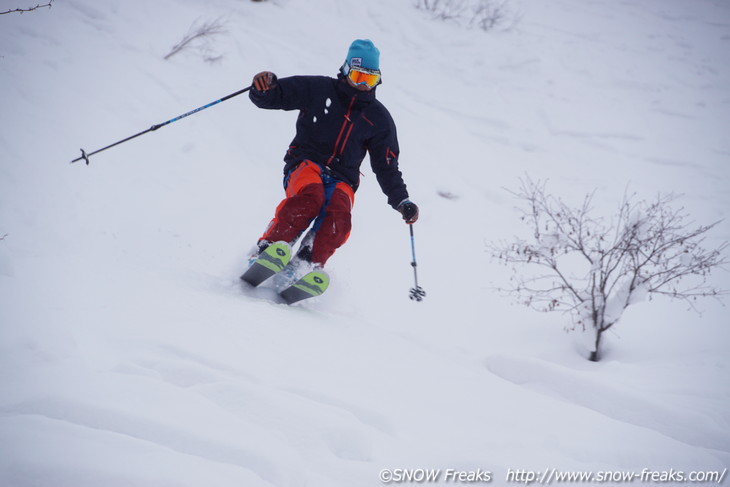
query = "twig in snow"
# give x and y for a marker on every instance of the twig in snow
(199, 37)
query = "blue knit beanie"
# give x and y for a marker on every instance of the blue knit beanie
(363, 53)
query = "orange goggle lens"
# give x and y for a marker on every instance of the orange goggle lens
(362, 77)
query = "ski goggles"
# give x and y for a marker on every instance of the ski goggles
(362, 76)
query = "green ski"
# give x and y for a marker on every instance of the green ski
(270, 261)
(310, 285)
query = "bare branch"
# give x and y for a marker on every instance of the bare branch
(30, 9)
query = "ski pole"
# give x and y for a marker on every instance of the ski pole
(417, 293)
(86, 156)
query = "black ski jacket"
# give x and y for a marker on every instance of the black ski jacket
(337, 125)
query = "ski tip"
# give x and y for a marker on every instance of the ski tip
(316, 282)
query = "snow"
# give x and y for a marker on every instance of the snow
(129, 354)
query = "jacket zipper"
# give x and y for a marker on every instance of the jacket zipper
(342, 131)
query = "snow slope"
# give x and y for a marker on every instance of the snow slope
(130, 354)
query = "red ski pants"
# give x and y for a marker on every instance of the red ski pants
(311, 195)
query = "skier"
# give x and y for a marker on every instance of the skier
(339, 121)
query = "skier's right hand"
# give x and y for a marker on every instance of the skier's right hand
(264, 81)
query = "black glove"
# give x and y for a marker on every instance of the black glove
(409, 210)
(264, 81)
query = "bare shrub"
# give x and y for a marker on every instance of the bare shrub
(484, 14)
(443, 9)
(594, 269)
(199, 38)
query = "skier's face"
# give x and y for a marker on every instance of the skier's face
(361, 87)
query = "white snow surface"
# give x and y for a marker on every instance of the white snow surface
(130, 354)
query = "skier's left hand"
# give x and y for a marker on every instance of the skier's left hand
(409, 210)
